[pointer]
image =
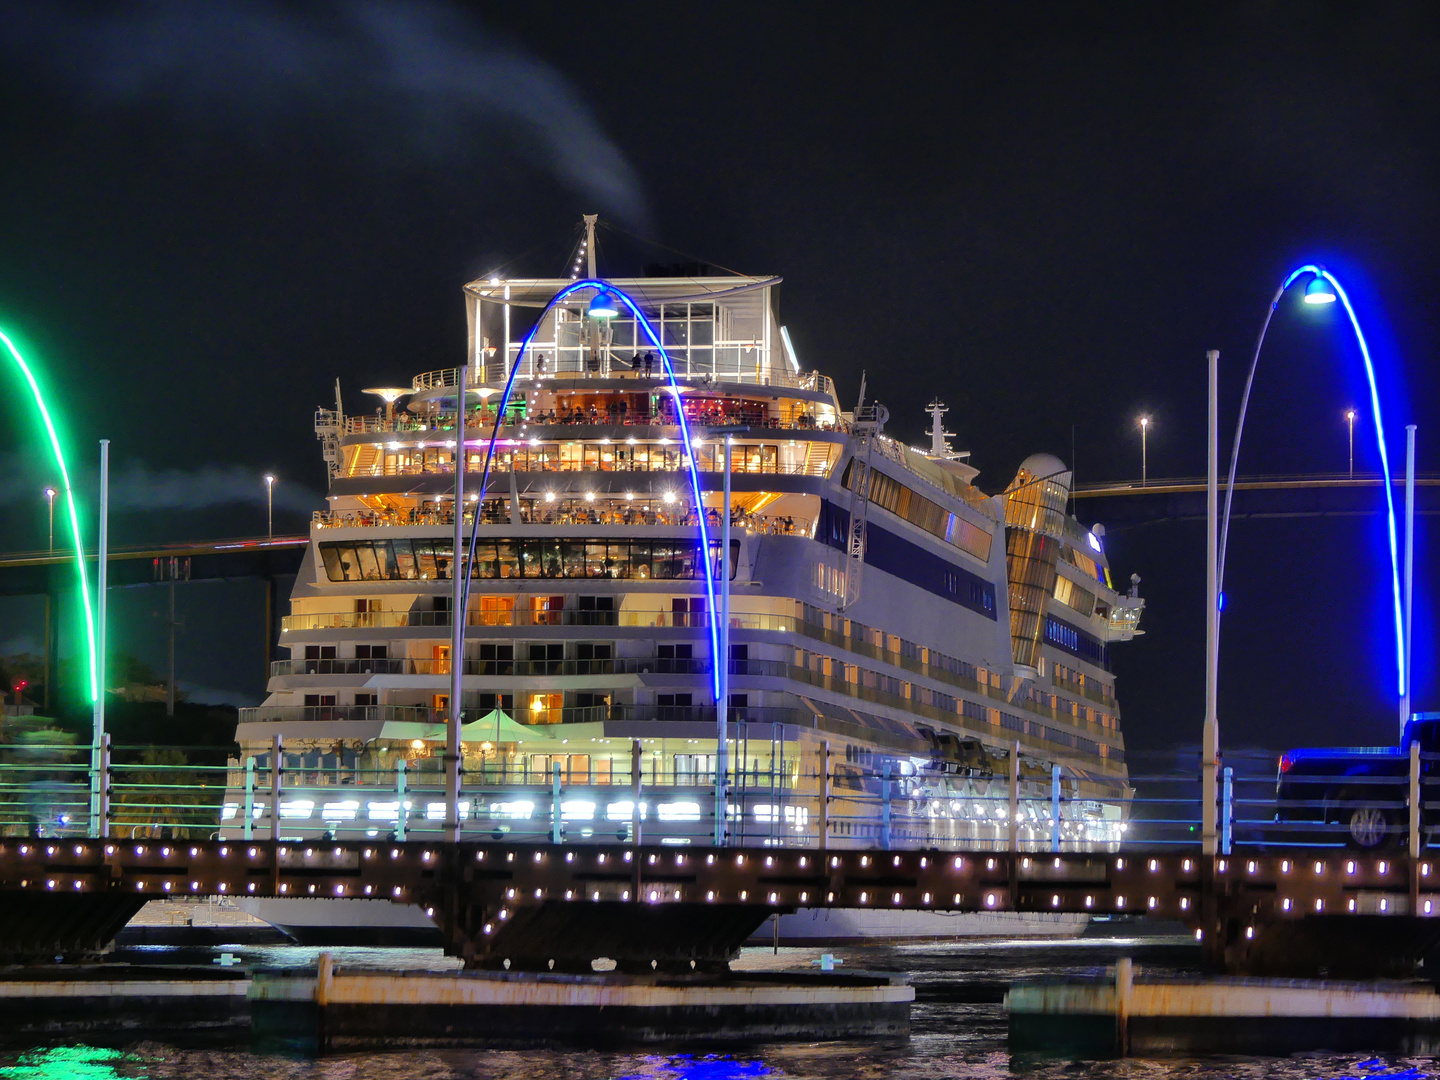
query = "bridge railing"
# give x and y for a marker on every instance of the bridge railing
(205, 792)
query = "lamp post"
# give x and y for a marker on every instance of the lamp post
(50, 501)
(1350, 419)
(1144, 455)
(270, 505)
(1321, 288)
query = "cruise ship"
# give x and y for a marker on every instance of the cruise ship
(909, 661)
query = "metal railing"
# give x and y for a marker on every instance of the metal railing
(774, 797)
(561, 512)
(657, 464)
(771, 376)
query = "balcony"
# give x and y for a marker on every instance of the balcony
(399, 665)
(772, 376)
(279, 714)
(561, 512)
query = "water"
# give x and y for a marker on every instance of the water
(958, 1030)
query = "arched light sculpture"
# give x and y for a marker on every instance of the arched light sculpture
(610, 295)
(1322, 288)
(59, 455)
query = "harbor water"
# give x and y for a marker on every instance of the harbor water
(958, 1029)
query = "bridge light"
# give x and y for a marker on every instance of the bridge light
(1349, 867)
(863, 897)
(1319, 291)
(1154, 903)
(1184, 903)
(1428, 905)
(167, 886)
(990, 899)
(1285, 904)
(1384, 905)
(1120, 864)
(804, 896)
(250, 887)
(1319, 867)
(50, 884)
(1186, 865)
(1382, 866)
(369, 889)
(1089, 901)
(957, 899)
(1055, 901)
(1249, 933)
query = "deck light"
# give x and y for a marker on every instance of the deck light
(1319, 292)
(604, 306)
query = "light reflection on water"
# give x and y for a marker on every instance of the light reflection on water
(958, 1030)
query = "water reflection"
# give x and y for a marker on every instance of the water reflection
(72, 1063)
(689, 1067)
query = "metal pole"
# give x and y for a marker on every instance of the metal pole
(248, 831)
(1414, 803)
(722, 697)
(1227, 809)
(276, 768)
(400, 815)
(885, 806)
(457, 620)
(824, 778)
(104, 787)
(96, 825)
(635, 761)
(50, 499)
(1409, 567)
(1350, 416)
(1144, 455)
(1012, 827)
(1210, 735)
(270, 507)
(555, 802)
(1054, 807)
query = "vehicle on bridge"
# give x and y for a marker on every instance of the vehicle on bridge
(1361, 792)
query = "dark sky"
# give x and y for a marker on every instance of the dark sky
(1044, 214)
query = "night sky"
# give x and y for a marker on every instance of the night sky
(1043, 214)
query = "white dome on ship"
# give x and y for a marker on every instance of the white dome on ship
(1044, 465)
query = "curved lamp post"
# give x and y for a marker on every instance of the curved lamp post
(54, 439)
(1322, 288)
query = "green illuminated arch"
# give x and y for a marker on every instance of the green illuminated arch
(70, 504)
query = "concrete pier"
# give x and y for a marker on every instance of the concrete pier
(339, 1009)
(109, 998)
(1130, 1015)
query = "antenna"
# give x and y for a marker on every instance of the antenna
(940, 448)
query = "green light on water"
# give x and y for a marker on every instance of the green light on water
(70, 504)
(70, 1062)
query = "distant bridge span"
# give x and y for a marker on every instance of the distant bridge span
(1129, 503)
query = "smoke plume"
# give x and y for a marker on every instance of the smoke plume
(399, 80)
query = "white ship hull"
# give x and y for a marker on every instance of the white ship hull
(818, 924)
(378, 922)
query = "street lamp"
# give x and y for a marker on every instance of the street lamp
(1350, 419)
(270, 505)
(1321, 288)
(50, 500)
(1144, 462)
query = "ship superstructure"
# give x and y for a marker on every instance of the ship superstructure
(895, 634)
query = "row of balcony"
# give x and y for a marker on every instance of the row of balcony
(578, 714)
(550, 460)
(768, 376)
(561, 512)
(401, 665)
(757, 419)
(659, 618)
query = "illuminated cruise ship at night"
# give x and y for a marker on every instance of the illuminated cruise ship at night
(895, 634)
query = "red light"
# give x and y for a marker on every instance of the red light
(1286, 763)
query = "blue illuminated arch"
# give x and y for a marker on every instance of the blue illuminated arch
(1310, 269)
(640, 320)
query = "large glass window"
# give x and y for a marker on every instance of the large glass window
(427, 560)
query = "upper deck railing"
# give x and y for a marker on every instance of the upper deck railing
(774, 376)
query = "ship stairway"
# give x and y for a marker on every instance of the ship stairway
(327, 430)
(869, 421)
(364, 460)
